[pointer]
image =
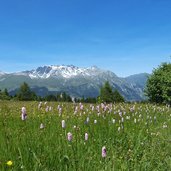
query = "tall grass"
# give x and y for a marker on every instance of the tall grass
(136, 137)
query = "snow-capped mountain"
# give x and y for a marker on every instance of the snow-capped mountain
(67, 72)
(2, 73)
(76, 81)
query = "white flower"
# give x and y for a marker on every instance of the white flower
(23, 110)
(42, 126)
(63, 124)
(119, 128)
(88, 119)
(164, 125)
(86, 136)
(113, 121)
(127, 117)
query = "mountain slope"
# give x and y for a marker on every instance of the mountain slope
(73, 80)
(138, 79)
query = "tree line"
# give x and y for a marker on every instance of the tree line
(26, 94)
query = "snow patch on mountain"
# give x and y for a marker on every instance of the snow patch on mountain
(64, 71)
(2, 73)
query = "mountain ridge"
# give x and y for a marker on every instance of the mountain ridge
(76, 81)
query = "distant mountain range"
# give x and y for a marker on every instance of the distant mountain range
(75, 81)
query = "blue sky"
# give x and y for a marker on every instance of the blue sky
(124, 36)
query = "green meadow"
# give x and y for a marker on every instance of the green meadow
(136, 137)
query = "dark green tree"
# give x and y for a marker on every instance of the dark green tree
(90, 100)
(63, 97)
(4, 95)
(68, 98)
(25, 93)
(106, 94)
(117, 97)
(50, 97)
(6, 92)
(158, 87)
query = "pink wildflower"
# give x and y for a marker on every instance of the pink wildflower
(69, 136)
(24, 114)
(104, 152)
